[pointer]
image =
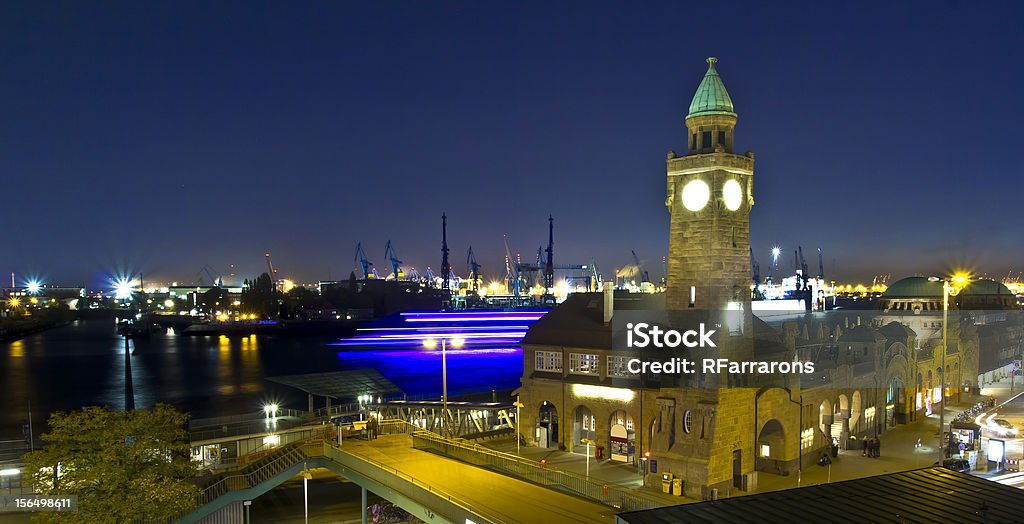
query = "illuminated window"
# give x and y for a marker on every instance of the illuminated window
(869, 416)
(583, 363)
(806, 438)
(766, 450)
(548, 361)
(618, 366)
(687, 421)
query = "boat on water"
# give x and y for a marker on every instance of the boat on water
(469, 329)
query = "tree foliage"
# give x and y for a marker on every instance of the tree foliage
(124, 466)
(258, 297)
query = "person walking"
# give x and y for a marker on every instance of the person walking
(864, 446)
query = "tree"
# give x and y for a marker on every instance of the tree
(124, 466)
(258, 297)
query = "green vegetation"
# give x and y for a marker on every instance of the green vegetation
(124, 466)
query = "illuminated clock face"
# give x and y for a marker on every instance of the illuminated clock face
(696, 195)
(732, 193)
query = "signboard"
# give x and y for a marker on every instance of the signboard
(996, 450)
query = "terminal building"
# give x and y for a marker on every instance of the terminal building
(716, 432)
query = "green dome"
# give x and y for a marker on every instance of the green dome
(921, 287)
(914, 287)
(711, 97)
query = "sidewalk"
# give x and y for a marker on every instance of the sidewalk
(604, 470)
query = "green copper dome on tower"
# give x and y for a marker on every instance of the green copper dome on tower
(711, 97)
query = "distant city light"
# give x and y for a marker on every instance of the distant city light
(33, 286)
(776, 251)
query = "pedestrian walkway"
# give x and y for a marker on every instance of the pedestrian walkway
(603, 470)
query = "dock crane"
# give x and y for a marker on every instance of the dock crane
(511, 269)
(217, 281)
(446, 268)
(549, 268)
(369, 272)
(821, 267)
(389, 253)
(639, 269)
(272, 273)
(474, 269)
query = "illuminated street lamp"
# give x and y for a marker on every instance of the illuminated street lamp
(950, 287)
(431, 343)
(270, 410)
(33, 287)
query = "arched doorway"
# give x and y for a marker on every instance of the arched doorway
(582, 428)
(623, 437)
(855, 411)
(771, 442)
(895, 403)
(825, 417)
(547, 426)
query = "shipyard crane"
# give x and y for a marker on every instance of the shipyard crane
(511, 269)
(272, 273)
(217, 281)
(802, 267)
(821, 267)
(474, 268)
(389, 253)
(549, 268)
(446, 268)
(595, 275)
(369, 272)
(639, 269)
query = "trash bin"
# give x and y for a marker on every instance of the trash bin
(598, 451)
(677, 487)
(666, 483)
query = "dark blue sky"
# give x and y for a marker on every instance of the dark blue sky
(165, 136)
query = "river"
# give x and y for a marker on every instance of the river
(82, 364)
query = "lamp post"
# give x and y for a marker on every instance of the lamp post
(518, 438)
(431, 344)
(950, 287)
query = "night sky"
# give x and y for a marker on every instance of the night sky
(164, 136)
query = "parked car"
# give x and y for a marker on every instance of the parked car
(955, 464)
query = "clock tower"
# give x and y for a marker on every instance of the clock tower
(709, 199)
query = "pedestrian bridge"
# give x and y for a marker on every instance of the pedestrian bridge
(436, 480)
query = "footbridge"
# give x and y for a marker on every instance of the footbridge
(436, 480)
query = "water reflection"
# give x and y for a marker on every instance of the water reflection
(83, 364)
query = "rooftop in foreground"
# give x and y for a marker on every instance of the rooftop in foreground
(921, 495)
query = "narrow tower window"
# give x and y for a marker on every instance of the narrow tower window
(721, 138)
(694, 146)
(693, 296)
(705, 140)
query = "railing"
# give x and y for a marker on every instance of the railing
(427, 496)
(626, 499)
(419, 491)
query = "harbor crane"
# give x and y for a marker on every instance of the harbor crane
(217, 281)
(474, 268)
(369, 272)
(511, 269)
(821, 267)
(389, 253)
(271, 272)
(446, 268)
(639, 269)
